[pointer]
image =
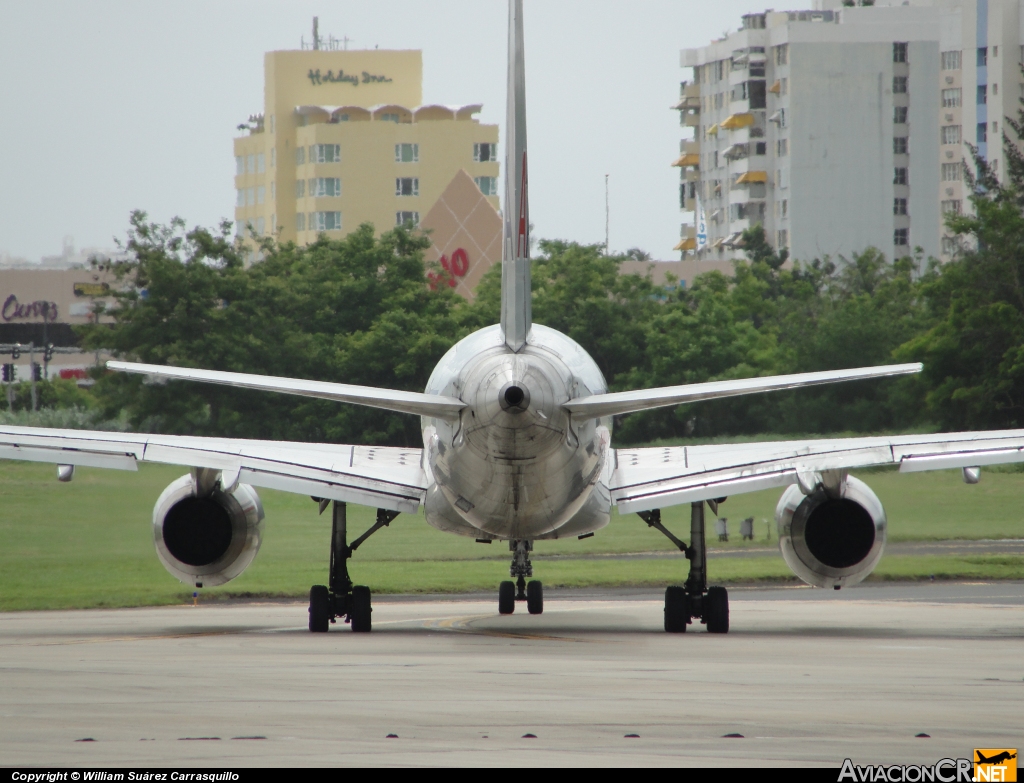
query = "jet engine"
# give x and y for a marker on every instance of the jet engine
(831, 532)
(207, 531)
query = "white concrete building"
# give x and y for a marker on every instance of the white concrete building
(842, 127)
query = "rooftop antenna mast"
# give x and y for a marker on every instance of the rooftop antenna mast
(316, 33)
(606, 213)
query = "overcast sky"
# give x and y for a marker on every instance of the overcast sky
(110, 106)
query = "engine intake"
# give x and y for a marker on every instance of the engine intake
(207, 540)
(831, 539)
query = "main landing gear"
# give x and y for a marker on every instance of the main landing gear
(532, 592)
(342, 598)
(694, 600)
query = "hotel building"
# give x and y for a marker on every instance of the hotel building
(344, 139)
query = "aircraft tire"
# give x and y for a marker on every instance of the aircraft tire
(319, 609)
(506, 598)
(716, 608)
(535, 597)
(677, 610)
(359, 612)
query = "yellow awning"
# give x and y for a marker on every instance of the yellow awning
(713, 130)
(752, 176)
(776, 88)
(686, 244)
(689, 159)
(734, 121)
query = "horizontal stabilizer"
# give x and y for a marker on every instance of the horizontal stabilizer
(415, 403)
(644, 399)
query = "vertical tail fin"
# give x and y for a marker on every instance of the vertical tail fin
(516, 309)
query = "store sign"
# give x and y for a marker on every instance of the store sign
(457, 266)
(13, 310)
(315, 77)
(91, 289)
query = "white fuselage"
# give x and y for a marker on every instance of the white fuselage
(515, 465)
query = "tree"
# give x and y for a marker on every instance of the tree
(777, 318)
(354, 310)
(579, 291)
(694, 337)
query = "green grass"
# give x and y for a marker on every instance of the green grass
(89, 543)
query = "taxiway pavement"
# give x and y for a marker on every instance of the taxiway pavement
(805, 676)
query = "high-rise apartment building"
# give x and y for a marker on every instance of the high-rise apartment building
(343, 139)
(982, 49)
(842, 127)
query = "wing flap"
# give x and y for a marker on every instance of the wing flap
(664, 494)
(392, 498)
(70, 456)
(970, 458)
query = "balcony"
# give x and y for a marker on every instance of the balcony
(751, 178)
(750, 211)
(687, 196)
(737, 151)
(687, 238)
(688, 105)
(735, 239)
(738, 120)
(741, 167)
(687, 159)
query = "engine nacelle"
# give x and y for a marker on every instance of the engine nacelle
(209, 540)
(831, 541)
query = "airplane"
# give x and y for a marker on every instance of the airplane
(516, 428)
(996, 759)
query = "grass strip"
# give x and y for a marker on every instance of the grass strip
(89, 543)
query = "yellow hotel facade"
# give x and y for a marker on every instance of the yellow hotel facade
(344, 139)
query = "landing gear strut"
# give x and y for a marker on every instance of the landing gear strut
(341, 598)
(532, 592)
(694, 600)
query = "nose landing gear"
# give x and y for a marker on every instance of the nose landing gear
(694, 600)
(531, 592)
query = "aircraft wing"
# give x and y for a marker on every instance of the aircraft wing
(390, 478)
(649, 478)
